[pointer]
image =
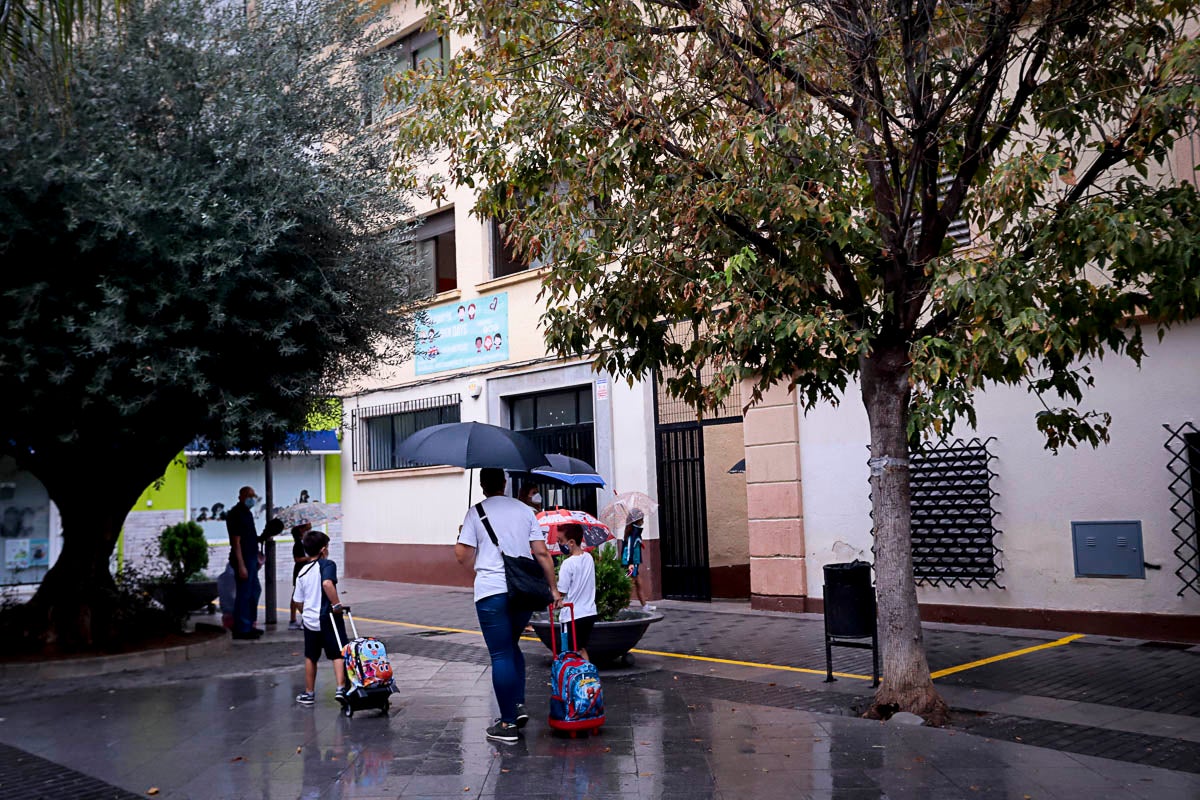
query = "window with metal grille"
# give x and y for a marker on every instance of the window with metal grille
(1183, 443)
(670, 410)
(379, 430)
(953, 530)
(559, 421)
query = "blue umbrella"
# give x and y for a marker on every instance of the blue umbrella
(565, 470)
(470, 445)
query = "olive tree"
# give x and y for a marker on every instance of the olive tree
(199, 238)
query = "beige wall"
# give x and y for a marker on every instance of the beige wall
(728, 532)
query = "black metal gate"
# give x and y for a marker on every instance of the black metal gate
(682, 511)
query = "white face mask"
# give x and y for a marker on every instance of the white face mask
(535, 498)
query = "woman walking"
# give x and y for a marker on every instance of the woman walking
(495, 525)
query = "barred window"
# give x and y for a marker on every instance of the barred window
(379, 430)
(953, 531)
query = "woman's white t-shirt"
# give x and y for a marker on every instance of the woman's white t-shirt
(515, 526)
(577, 582)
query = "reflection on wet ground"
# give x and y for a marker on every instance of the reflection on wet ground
(246, 737)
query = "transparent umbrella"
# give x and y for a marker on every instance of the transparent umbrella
(312, 513)
(616, 514)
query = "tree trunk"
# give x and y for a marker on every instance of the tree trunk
(905, 683)
(76, 607)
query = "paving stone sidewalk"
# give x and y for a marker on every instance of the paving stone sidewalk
(229, 727)
(245, 737)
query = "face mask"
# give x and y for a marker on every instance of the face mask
(535, 498)
(249, 501)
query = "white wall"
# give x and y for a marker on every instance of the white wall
(1040, 493)
(633, 444)
(410, 506)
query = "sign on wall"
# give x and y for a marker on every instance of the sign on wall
(24, 525)
(464, 334)
(213, 489)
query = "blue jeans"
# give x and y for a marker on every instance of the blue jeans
(245, 605)
(502, 630)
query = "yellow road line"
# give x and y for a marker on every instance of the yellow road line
(755, 664)
(686, 656)
(941, 673)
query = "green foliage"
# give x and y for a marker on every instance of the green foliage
(782, 178)
(199, 237)
(612, 583)
(130, 614)
(185, 550)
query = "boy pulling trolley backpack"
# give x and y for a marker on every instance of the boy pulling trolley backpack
(576, 699)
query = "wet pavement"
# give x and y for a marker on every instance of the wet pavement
(228, 727)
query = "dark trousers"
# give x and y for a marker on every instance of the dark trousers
(245, 604)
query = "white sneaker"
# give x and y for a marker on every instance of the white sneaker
(649, 607)
(295, 626)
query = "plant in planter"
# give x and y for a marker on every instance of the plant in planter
(185, 550)
(618, 629)
(612, 583)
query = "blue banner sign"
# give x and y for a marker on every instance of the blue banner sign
(463, 334)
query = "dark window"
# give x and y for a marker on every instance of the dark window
(559, 422)
(436, 249)
(552, 409)
(953, 532)
(378, 431)
(505, 261)
(420, 51)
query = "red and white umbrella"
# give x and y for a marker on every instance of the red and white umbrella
(595, 532)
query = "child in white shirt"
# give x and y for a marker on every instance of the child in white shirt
(577, 582)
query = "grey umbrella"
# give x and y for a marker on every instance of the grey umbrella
(470, 445)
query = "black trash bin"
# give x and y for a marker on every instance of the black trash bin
(850, 612)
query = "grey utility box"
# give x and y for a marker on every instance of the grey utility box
(1108, 549)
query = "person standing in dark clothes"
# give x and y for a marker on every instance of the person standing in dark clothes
(243, 557)
(299, 559)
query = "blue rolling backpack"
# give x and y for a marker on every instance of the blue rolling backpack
(576, 699)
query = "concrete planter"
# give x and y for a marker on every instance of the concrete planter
(186, 597)
(610, 640)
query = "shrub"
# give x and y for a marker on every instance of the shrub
(612, 583)
(185, 550)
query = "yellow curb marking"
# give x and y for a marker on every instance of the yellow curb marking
(635, 650)
(941, 673)
(751, 664)
(782, 668)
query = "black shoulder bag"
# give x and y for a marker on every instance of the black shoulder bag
(527, 587)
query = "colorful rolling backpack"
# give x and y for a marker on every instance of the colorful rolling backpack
(576, 699)
(368, 670)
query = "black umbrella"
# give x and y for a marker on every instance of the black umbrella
(470, 445)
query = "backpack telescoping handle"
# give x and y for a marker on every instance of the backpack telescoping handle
(554, 626)
(353, 629)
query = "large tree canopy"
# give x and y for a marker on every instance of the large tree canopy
(198, 238)
(784, 175)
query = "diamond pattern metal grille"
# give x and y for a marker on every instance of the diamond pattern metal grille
(953, 530)
(1183, 443)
